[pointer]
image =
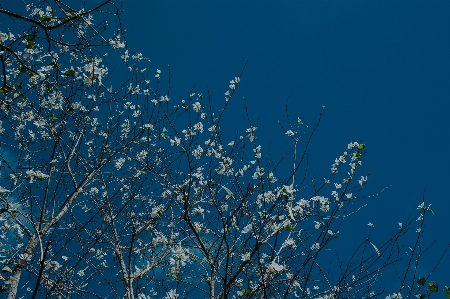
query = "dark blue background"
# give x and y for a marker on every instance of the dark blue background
(381, 68)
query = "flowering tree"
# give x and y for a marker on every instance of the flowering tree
(111, 189)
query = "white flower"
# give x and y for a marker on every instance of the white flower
(246, 256)
(197, 153)
(251, 129)
(148, 126)
(172, 294)
(258, 173)
(424, 208)
(54, 265)
(199, 127)
(289, 242)
(156, 211)
(3, 190)
(198, 210)
(362, 180)
(325, 208)
(175, 141)
(31, 175)
(274, 267)
(225, 165)
(290, 133)
(227, 95)
(257, 150)
(352, 145)
(315, 246)
(197, 106)
(394, 296)
(119, 163)
(142, 155)
(370, 224)
(272, 177)
(93, 191)
(247, 229)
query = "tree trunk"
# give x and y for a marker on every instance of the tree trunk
(15, 277)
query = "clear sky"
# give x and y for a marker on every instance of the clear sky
(381, 69)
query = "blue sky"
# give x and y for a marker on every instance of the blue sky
(381, 69)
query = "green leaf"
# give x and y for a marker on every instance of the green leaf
(6, 269)
(3, 289)
(228, 191)
(421, 296)
(433, 287)
(447, 291)
(8, 281)
(30, 45)
(69, 12)
(5, 90)
(360, 149)
(45, 19)
(22, 70)
(48, 87)
(421, 281)
(244, 293)
(70, 73)
(19, 85)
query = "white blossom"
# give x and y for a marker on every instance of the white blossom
(246, 256)
(197, 106)
(247, 229)
(172, 294)
(315, 246)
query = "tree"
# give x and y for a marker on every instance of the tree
(120, 192)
